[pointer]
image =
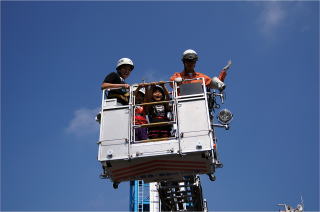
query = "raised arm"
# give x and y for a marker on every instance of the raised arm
(166, 93)
(148, 97)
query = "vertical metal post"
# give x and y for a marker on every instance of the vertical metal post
(174, 109)
(175, 96)
(130, 123)
(208, 112)
(154, 205)
(133, 119)
(101, 120)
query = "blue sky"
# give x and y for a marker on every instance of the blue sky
(54, 56)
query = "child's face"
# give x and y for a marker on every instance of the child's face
(157, 95)
(139, 98)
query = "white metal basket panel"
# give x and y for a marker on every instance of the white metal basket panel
(194, 125)
(192, 115)
(113, 150)
(114, 134)
(115, 124)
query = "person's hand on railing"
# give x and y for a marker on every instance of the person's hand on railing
(127, 86)
(152, 83)
(161, 82)
(143, 84)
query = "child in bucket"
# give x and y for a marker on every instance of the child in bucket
(140, 115)
(158, 112)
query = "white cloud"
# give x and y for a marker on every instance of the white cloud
(271, 18)
(83, 122)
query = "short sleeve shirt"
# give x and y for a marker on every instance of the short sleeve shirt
(184, 75)
(114, 78)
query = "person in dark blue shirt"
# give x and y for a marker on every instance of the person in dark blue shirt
(116, 81)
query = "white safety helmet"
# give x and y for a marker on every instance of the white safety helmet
(125, 61)
(142, 90)
(189, 54)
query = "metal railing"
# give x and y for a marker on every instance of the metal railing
(155, 124)
(174, 101)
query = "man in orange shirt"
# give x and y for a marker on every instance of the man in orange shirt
(189, 59)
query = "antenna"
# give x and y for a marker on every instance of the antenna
(300, 207)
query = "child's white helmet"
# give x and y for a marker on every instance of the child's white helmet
(142, 90)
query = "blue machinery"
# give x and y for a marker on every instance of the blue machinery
(174, 196)
(139, 196)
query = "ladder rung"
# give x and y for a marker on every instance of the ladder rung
(154, 124)
(152, 103)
